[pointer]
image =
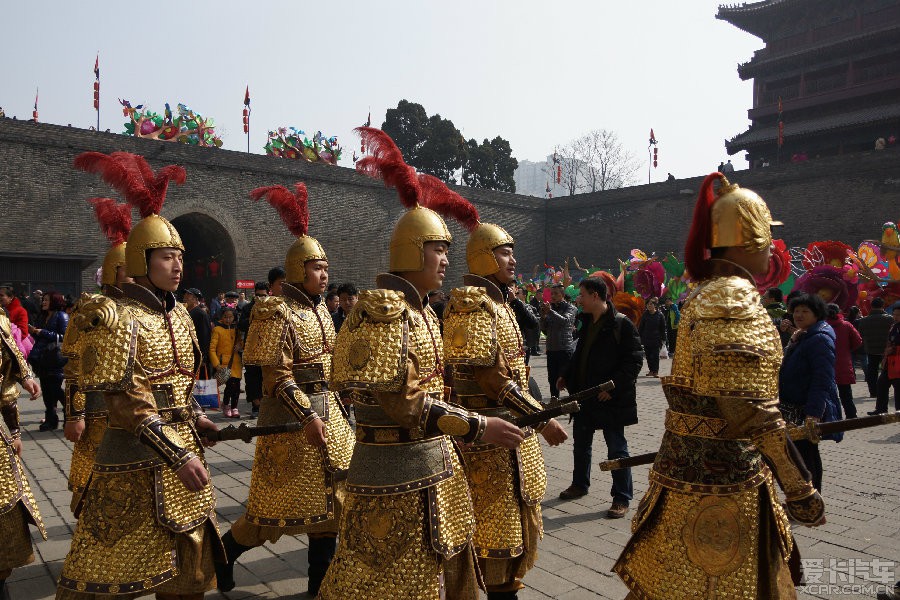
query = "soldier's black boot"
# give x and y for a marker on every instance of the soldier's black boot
(503, 595)
(225, 571)
(321, 551)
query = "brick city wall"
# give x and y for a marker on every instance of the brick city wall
(845, 198)
(43, 208)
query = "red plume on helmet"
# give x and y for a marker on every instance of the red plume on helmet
(293, 208)
(699, 238)
(133, 177)
(385, 162)
(447, 203)
(114, 219)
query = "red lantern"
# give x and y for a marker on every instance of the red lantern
(655, 155)
(558, 173)
(96, 95)
(34, 116)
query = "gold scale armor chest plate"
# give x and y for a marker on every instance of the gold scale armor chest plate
(727, 347)
(134, 502)
(293, 484)
(503, 482)
(696, 531)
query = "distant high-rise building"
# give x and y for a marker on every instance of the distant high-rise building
(532, 179)
(833, 66)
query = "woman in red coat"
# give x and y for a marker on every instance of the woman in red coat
(847, 339)
(17, 313)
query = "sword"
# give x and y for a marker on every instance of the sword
(548, 413)
(588, 393)
(246, 433)
(810, 430)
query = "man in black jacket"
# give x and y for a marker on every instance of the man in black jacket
(203, 326)
(874, 332)
(609, 348)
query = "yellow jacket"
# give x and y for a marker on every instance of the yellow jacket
(221, 345)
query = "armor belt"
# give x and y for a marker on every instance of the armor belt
(273, 412)
(94, 404)
(121, 451)
(388, 459)
(695, 425)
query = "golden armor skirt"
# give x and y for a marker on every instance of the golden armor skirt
(409, 546)
(693, 546)
(83, 455)
(506, 488)
(18, 508)
(296, 487)
(121, 547)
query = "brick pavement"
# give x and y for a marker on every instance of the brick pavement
(579, 547)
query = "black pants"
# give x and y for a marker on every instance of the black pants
(652, 355)
(671, 338)
(53, 394)
(872, 373)
(232, 391)
(557, 361)
(813, 460)
(884, 385)
(846, 394)
(253, 386)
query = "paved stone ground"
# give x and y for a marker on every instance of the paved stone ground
(862, 493)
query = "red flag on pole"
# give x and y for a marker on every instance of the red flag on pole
(246, 113)
(97, 84)
(34, 115)
(652, 136)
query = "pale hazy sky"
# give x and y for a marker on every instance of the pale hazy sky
(535, 73)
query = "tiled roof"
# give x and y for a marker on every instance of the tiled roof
(858, 117)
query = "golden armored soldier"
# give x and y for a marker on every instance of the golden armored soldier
(86, 413)
(17, 505)
(710, 524)
(484, 350)
(407, 525)
(146, 520)
(297, 485)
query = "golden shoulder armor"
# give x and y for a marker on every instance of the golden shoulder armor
(266, 307)
(468, 299)
(727, 298)
(380, 306)
(76, 323)
(95, 311)
(107, 345)
(470, 328)
(268, 327)
(372, 345)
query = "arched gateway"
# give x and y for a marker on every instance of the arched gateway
(209, 257)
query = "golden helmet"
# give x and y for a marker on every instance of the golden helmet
(740, 218)
(151, 232)
(304, 249)
(417, 226)
(480, 248)
(115, 258)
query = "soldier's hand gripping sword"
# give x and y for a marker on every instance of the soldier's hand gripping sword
(564, 406)
(811, 430)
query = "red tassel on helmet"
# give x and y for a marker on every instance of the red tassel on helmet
(447, 203)
(133, 177)
(114, 219)
(386, 163)
(293, 208)
(700, 236)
